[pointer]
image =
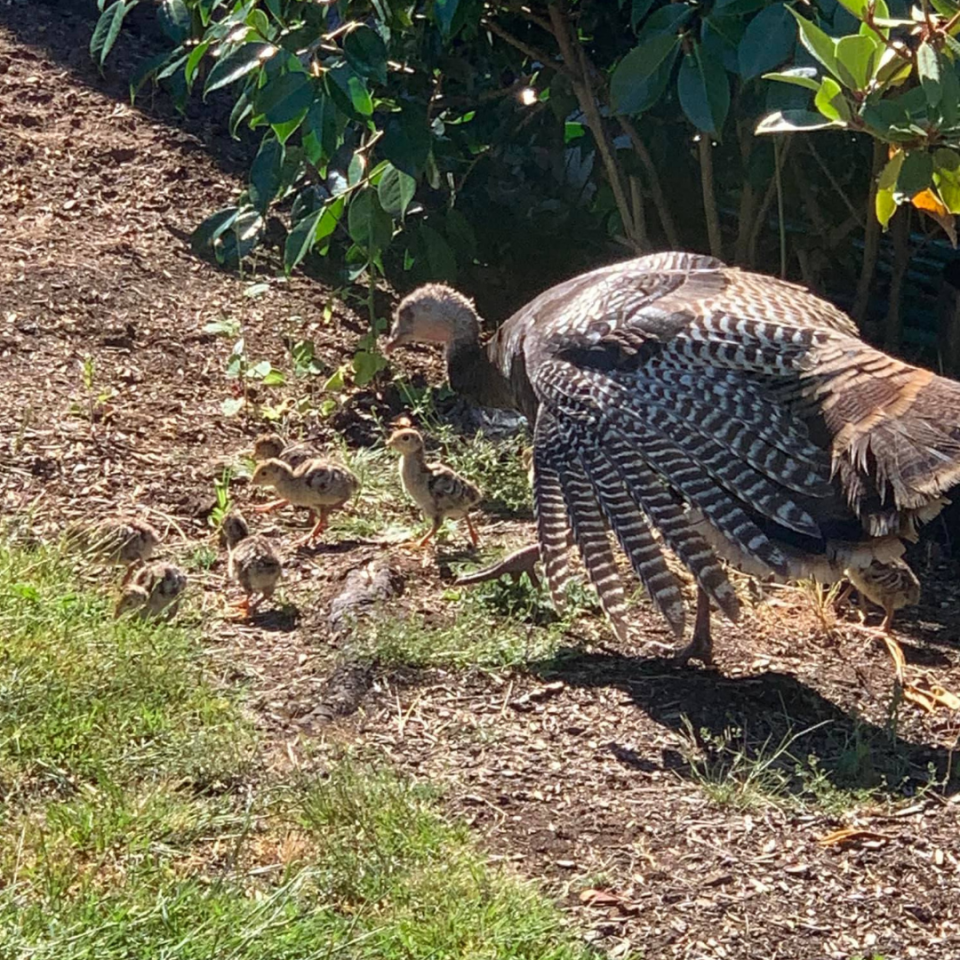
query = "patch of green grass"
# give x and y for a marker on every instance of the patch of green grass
(492, 625)
(84, 697)
(466, 635)
(833, 777)
(136, 824)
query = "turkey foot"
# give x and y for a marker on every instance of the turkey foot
(318, 528)
(269, 507)
(520, 561)
(242, 609)
(701, 646)
(425, 539)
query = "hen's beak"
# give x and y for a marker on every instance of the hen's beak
(393, 341)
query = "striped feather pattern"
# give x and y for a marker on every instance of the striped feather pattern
(553, 526)
(590, 535)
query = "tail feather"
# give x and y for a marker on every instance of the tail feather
(674, 524)
(634, 536)
(589, 532)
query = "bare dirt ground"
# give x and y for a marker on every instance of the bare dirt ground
(585, 771)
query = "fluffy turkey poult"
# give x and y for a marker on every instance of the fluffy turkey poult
(732, 413)
(318, 485)
(253, 563)
(155, 592)
(436, 489)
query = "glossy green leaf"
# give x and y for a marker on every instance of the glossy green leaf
(175, 20)
(667, 19)
(798, 76)
(395, 191)
(946, 175)
(242, 237)
(886, 204)
(207, 232)
(300, 240)
(791, 121)
(440, 255)
(407, 140)
(636, 68)
(368, 224)
(767, 42)
(445, 11)
(704, 91)
(859, 55)
(821, 47)
(320, 135)
(916, 174)
(928, 68)
(367, 53)
(350, 90)
(146, 70)
(265, 173)
(241, 109)
(638, 10)
(108, 29)
(946, 8)
(260, 22)
(856, 7)
(950, 94)
(193, 62)
(830, 100)
(285, 97)
(332, 214)
(237, 64)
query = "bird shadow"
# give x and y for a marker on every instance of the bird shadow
(276, 619)
(767, 720)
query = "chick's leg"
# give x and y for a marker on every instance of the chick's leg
(701, 646)
(241, 608)
(893, 648)
(474, 536)
(318, 527)
(431, 533)
(269, 507)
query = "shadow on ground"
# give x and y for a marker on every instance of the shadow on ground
(758, 713)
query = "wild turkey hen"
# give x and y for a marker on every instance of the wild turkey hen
(683, 403)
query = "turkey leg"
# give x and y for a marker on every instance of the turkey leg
(701, 646)
(520, 561)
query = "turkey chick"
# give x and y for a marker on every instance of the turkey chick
(271, 446)
(156, 591)
(890, 585)
(436, 489)
(120, 540)
(253, 563)
(318, 485)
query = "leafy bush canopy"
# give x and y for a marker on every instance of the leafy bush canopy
(419, 135)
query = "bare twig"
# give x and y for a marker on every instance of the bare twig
(535, 53)
(764, 210)
(893, 327)
(709, 197)
(871, 240)
(572, 53)
(653, 181)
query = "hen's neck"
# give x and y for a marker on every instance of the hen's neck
(473, 374)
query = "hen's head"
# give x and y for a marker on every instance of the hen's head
(434, 313)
